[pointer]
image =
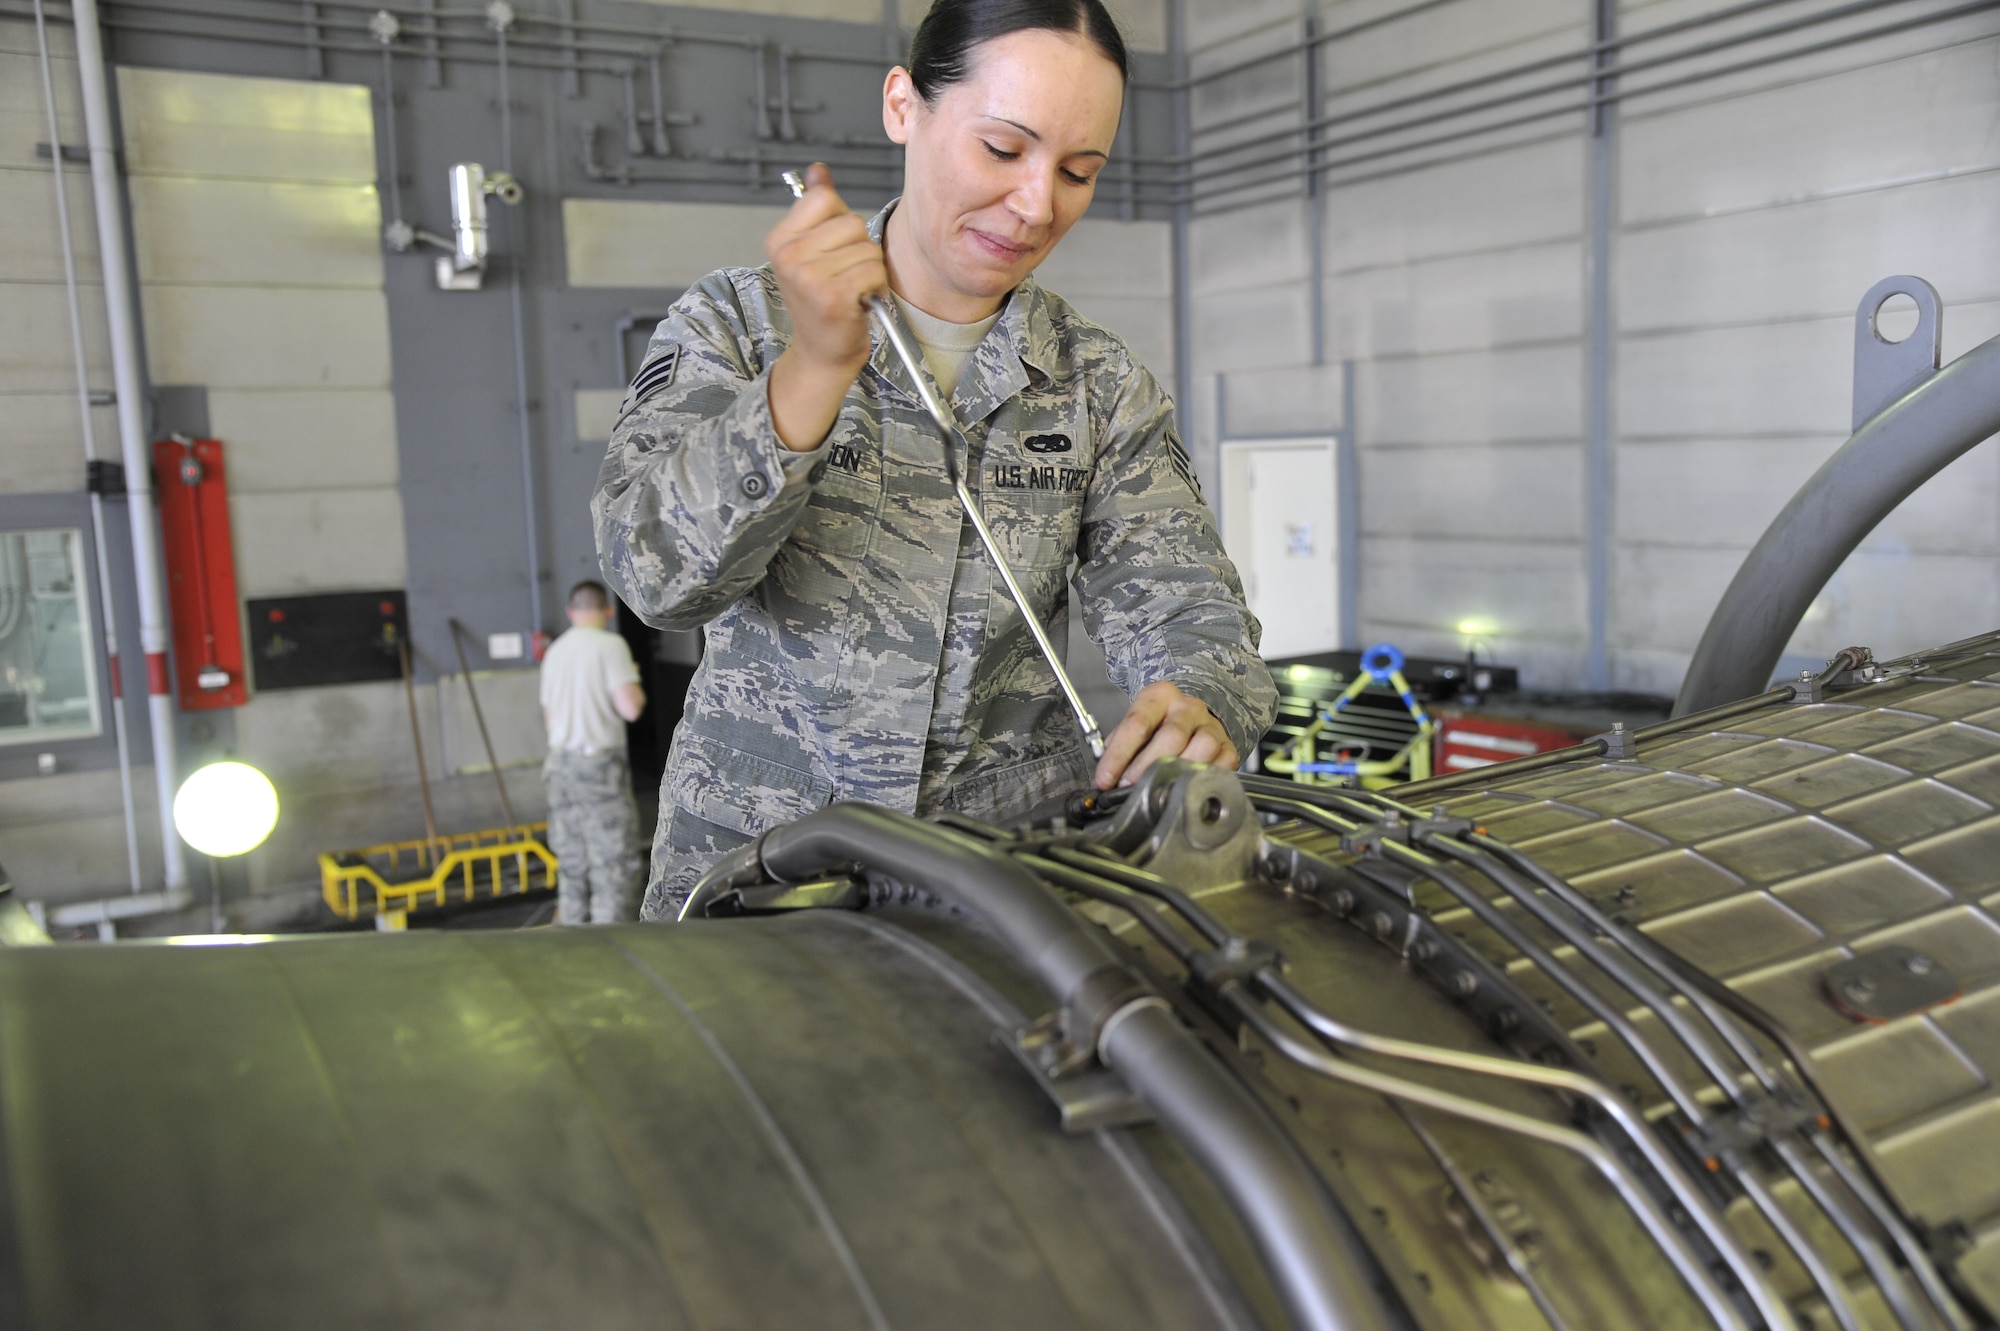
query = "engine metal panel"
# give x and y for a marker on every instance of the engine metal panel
(1785, 844)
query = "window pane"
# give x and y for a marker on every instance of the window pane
(48, 657)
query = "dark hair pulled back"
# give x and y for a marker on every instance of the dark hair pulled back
(942, 51)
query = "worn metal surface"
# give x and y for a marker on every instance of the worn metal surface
(805, 1122)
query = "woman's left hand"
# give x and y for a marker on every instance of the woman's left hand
(1162, 722)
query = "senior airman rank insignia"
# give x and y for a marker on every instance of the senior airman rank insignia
(656, 376)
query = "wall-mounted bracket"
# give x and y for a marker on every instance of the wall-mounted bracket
(1883, 370)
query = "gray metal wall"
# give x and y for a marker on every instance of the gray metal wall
(1584, 463)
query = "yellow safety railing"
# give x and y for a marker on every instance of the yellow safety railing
(399, 876)
(1381, 667)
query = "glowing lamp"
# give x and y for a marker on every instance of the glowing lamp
(1475, 626)
(226, 809)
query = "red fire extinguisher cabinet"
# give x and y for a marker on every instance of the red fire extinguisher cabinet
(201, 573)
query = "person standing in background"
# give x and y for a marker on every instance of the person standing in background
(590, 688)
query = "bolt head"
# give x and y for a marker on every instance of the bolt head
(1919, 964)
(1858, 987)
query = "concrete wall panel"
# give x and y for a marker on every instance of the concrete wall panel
(1667, 593)
(306, 439)
(1898, 601)
(1487, 201)
(1714, 492)
(1793, 378)
(1519, 492)
(1459, 303)
(1710, 492)
(596, 414)
(1530, 394)
(1653, 670)
(1875, 125)
(632, 243)
(30, 244)
(1812, 259)
(24, 117)
(1248, 247)
(1251, 329)
(317, 541)
(182, 123)
(1214, 24)
(267, 337)
(1441, 46)
(256, 232)
(1417, 591)
(36, 354)
(44, 449)
(1103, 256)
(1285, 400)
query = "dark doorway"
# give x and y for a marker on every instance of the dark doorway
(666, 664)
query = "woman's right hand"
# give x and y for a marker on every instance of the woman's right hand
(826, 267)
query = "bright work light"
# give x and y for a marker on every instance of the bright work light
(226, 809)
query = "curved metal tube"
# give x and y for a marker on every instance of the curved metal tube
(1691, 1267)
(1630, 1122)
(1315, 1261)
(1887, 459)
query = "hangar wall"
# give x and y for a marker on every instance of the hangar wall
(1745, 216)
(373, 423)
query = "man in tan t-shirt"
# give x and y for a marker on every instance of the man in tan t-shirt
(590, 689)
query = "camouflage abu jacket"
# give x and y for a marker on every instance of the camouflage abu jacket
(858, 644)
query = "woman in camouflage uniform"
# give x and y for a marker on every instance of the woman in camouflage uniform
(774, 479)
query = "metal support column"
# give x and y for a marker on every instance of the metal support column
(1347, 514)
(122, 316)
(1315, 192)
(1598, 348)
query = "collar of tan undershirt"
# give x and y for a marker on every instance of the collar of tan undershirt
(947, 347)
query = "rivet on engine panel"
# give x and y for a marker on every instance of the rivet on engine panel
(1465, 984)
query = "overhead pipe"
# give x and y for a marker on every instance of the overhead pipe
(1591, 79)
(106, 605)
(124, 329)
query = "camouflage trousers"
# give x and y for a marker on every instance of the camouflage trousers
(594, 831)
(684, 847)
